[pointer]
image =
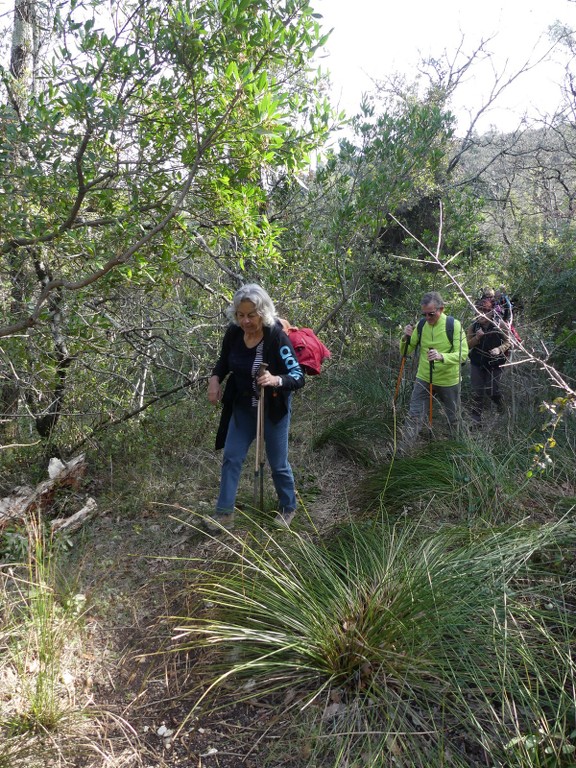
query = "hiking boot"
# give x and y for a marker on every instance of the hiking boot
(219, 521)
(285, 518)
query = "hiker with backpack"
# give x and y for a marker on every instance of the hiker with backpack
(488, 341)
(503, 304)
(443, 348)
(256, 356)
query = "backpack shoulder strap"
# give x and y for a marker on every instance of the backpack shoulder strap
(449, 329)
(419, 329)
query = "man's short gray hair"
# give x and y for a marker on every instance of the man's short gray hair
(262, 302)
(432, 297)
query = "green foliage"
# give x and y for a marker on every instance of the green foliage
(560, 408)
(13, 545)
(159, 163)
(356, 437)
(440, 637)
(146, 127)
(441, 472)
(156, 456)
(358, 424)
(564, 355)
(545, 275)
(545, 749)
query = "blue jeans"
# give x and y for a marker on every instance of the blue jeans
(241, 433)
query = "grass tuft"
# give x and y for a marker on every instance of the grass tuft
(406, 648)
(38, 635)
(461, 474)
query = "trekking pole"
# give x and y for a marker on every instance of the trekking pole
(459, 422)
(431, 395)
(512, 388)
(259, 461)
(402, 363)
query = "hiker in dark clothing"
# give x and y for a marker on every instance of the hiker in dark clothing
(254, 337)
(488, 341)
(502, 304)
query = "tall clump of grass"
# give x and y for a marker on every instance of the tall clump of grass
(37, 631)
(394, 648)
(360, 422)
(464, 475)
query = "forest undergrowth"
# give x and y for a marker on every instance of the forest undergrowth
(421, 611)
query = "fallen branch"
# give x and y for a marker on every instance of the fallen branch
(24, 501)
(76, 520)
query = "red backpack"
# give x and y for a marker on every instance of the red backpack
(310, 351)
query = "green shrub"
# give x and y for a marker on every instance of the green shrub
(401, 647)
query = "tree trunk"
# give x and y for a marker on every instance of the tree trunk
(22, 62)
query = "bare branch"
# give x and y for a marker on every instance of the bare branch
(553, 374)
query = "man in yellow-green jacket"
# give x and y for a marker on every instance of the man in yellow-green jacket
(443, 349)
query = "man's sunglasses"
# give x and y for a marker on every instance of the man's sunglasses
(430, 314)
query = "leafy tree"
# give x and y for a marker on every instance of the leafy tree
(135, 165)
(338, 220)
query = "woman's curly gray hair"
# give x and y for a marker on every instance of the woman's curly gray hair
(262, 302)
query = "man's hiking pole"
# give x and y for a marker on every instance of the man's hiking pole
(402, 363)
(430, 386)
(259, 464)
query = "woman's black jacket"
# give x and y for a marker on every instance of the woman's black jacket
(282, 361)
(493, 337)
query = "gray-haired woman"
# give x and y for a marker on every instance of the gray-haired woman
(254, 337)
